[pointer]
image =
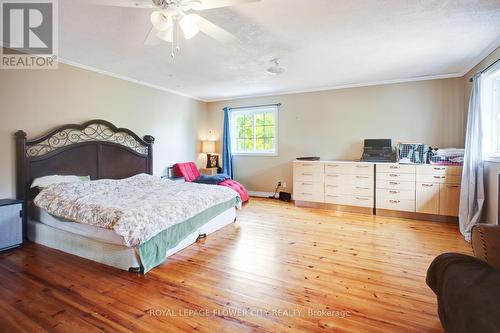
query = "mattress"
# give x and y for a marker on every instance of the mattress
(85, 230)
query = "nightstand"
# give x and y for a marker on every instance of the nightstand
(208, 171)
(11, 223)
(174, 179)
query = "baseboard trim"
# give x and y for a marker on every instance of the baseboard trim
(260, 194)
(339, 208)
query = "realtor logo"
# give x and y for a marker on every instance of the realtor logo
(29, 34)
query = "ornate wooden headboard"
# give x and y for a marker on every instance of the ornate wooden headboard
(96, 148)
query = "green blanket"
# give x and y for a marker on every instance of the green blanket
(154, 251)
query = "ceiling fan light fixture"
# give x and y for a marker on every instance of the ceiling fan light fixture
(160, 20)
(166, 35)
(189, 28)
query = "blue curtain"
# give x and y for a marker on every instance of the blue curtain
(227, 158)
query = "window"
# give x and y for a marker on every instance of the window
(254, 131)
(491, 112)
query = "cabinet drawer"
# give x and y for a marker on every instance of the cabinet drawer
(356, 180)
(395, 185)
(308, 191)
(394, 167)
(396, 176)
(366, 191)
(441, 179)
(439, 170)
(349, 200)
(349, 168)
(395, 194)
(396, 204)
(311, 172)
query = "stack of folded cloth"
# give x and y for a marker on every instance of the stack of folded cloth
(448, 156)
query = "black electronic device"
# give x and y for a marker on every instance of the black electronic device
(377, 150)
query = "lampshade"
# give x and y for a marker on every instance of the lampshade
(160, 20)
(188, 27)
(208, 147)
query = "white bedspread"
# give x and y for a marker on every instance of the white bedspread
(136, 208)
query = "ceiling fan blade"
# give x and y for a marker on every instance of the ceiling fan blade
(210, 4)
(213, 30)
(125, 3)
(152, 39)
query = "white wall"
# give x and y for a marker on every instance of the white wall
(332, 124)
(38, 100)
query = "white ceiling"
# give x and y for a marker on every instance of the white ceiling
(323, 44)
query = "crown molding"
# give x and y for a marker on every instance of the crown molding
(126, 78)
(345, 86)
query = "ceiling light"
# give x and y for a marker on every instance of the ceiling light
(276, 69)
(166, 35)
(160, 20)
(188, 27)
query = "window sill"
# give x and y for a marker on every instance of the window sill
(256, 154)
(493, 158)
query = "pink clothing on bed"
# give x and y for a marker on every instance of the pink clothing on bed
(190, 172)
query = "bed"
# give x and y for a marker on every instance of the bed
(111, 157)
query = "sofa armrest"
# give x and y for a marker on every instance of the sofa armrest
(486, 244)
(468, 293)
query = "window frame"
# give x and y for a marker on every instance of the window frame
(254, 110)
(490, 90)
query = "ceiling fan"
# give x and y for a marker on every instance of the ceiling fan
(172, 17)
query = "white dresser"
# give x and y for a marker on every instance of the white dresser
(334, 182)
(349, 184)
(395, 187)
(426, 189)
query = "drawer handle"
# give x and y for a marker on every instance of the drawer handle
(394, 201)
(440, 177)
(361, 188)
(393, 175)
(307, 184)
(439, 168)
(427, 185)
(332, 186)
(394, 183)
(334, 176)
(361, 177)
(362, 166)
(332, 196)
(393, 167)
(306, 164)
(452, 186)
(394, 192)
(332, 165)
(364, 199)
(303, 193)
(307, 174)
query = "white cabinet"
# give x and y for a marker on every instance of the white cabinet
(449, 199)
(438, 189)
(427, 198)
(395, 187)
(308, 181)
(428, 189)
(341, 183)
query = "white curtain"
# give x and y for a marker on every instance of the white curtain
(472, 194)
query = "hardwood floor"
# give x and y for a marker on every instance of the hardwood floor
(278, 268)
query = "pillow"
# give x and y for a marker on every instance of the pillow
(43, 182)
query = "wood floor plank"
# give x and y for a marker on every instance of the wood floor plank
(278, 268)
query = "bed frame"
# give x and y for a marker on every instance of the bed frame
(95, 148)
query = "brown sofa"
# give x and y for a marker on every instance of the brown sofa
(468, 288)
